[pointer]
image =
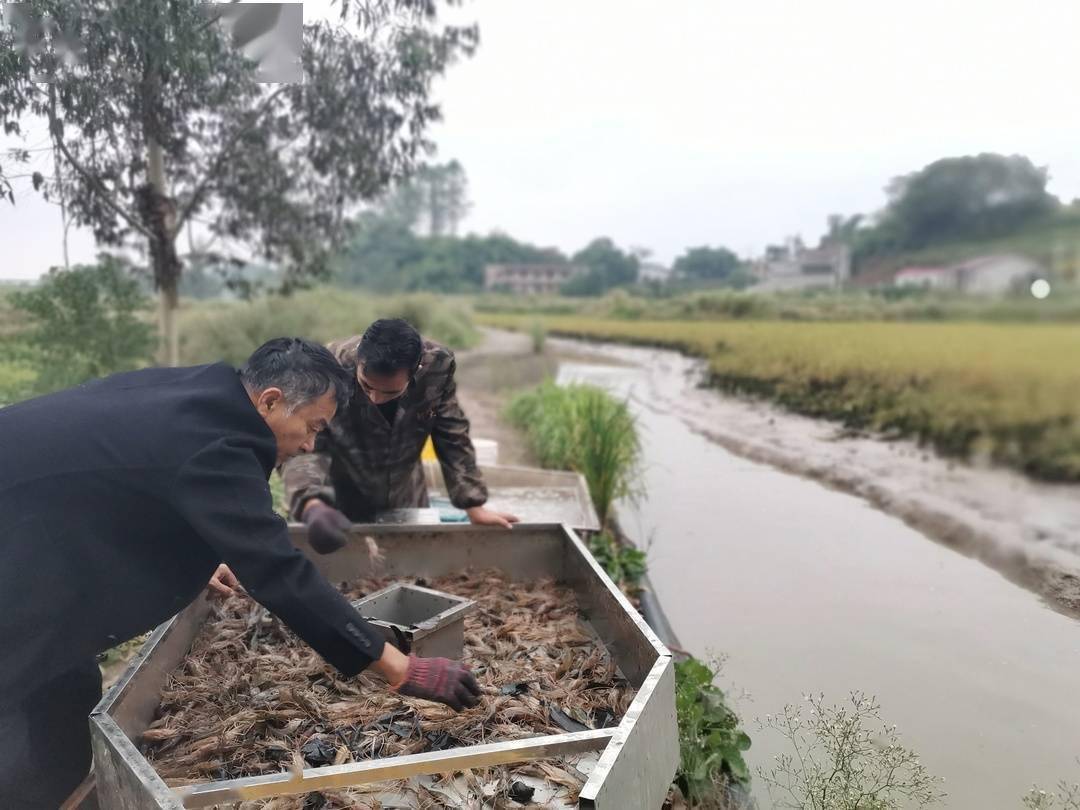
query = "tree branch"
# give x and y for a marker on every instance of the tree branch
(226, 151)
(95, 183)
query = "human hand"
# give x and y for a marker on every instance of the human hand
(442, 680)
(327, 527)
(481, 516)
(223, 583)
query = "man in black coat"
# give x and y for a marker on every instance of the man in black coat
(122, 497)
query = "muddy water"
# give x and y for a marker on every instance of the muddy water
(806, 589)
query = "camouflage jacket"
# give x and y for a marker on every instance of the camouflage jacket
(364, 465)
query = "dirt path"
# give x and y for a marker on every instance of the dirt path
(488, 377)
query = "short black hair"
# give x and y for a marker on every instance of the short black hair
(389, 345)
(302, 369)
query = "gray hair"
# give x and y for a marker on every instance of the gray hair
(302, 369)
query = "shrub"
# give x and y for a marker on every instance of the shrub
(231, 330)
(1066, 797)
(845, 758)
(625, 564)
(711, 744)
(85, 323)
(539, 335)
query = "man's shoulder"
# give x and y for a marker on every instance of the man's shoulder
(345, 349)
(208, 373)
(436, 356)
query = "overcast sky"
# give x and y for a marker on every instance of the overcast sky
(672, 124)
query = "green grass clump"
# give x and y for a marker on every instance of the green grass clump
(538, 334)
(582, 428)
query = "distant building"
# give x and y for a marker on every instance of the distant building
(653, 271)
(934, 278)
(529, 279)
(984, 275)
(794, 267)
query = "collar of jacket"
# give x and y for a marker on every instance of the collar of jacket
(266, 447)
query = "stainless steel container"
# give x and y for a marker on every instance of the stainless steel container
(637, 758)
(432, 622)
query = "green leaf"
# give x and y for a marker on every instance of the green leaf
(737, 767)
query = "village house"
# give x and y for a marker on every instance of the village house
(529, 279)
(984, 275)
(794, 267)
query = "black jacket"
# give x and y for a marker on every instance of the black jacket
(118, 500)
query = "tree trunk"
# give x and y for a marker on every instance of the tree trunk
(160, 215)
(63, 205)
(169, 344)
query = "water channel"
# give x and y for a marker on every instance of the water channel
(807, 589)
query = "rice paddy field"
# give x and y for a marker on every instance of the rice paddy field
(1007, 392)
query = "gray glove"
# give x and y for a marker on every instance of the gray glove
(328, 529)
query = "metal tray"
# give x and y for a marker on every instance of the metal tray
(637, 758)
(533, 494)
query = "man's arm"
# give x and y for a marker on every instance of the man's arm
(450, 436)
(457, 456)
(223, 495)
(307, 477)
(222, 492)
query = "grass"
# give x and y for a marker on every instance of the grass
(277, 492)
(582, 428)
(1009, 392)
(538, 335)
(231, 330)
(895, 304)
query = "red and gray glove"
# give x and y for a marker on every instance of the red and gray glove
(441, 680)
(327, 528)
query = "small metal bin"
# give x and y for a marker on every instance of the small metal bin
(432, 622)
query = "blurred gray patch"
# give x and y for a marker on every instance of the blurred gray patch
(269, 34)
(35, 32)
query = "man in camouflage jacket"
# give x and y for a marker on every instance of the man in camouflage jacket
(368, 460)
